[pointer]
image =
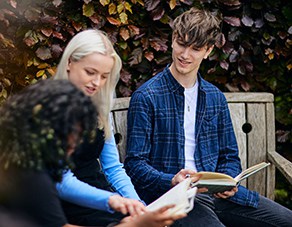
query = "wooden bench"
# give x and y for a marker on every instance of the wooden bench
(254, 124)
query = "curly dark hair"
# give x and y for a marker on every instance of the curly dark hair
(35, 125)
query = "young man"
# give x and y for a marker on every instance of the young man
(179, 124)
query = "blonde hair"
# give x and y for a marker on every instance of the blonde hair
(83, 44)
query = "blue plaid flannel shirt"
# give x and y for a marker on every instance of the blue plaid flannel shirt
(155, 141)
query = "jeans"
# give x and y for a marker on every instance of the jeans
(268, 213)
(212, 212)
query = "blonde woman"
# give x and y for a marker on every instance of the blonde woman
(97, 191)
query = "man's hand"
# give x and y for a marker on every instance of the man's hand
(226, 194)
(183, 174)
(126, 206)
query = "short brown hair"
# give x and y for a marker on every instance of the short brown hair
(197, 27)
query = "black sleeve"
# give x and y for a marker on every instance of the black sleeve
(42, 201)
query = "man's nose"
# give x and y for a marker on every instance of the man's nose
(186, 52)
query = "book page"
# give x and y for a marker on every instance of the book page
(215, 176)
(178, 195)
(251, 170)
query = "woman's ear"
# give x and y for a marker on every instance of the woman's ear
(68, 65)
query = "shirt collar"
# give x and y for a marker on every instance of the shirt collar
(176, 86)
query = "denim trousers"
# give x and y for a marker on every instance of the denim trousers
(209, 211)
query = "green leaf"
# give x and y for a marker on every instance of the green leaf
(104, 2)
(88, 9)
(112, 9)
(124, 18)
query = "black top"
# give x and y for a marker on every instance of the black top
(88, 169)
(31, 195)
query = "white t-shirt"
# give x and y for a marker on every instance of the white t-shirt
(191, 96)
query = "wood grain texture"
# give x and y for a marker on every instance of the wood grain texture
(271, 147)
(250, 97)
(237, 113)
(256, 145)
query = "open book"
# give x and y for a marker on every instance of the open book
(220, 182)
(182, 195)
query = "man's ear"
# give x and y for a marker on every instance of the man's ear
(209, 50)
(173, 38)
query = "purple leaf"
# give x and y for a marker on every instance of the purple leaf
(125, 91)
(57, 2)
(228, 47)
(232, 36)
(230, 2)
(233, 56)
(245, 86)
(241, 69)
(247, 21)
(212, 70)
(290, 30)
(270, 17)
(157, 14)
(220, 41)
(136, 57)
(213, 56)
(234, 21)
(259, 23)
(151, 4)
(32, 15)
(241, 50)
(56, 50)
(43, 53)
(231, 87)
(125, 76)
(187, 2)
(248, 66)
(158, 44)
(224, 65)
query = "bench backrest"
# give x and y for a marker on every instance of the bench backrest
(254, 124)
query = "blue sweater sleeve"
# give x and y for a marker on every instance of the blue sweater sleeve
(75, 191)
(115, 172)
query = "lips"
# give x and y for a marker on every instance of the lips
(90, 90)
(183, 62)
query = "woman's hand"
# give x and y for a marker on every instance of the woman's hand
(158, 218)
(126, 206)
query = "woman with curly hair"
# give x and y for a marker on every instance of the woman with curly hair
(39, 128)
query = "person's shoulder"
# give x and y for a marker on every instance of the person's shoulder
(153, 83)
(151, 86)
(211, 91)
(209, 87)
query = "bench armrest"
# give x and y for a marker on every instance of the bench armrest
(282, 164)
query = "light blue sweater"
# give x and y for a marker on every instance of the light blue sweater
(78, 192)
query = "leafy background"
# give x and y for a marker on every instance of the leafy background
(254, 53)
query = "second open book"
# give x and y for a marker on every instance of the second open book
(182, 195)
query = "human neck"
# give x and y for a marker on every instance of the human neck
(186, 80)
